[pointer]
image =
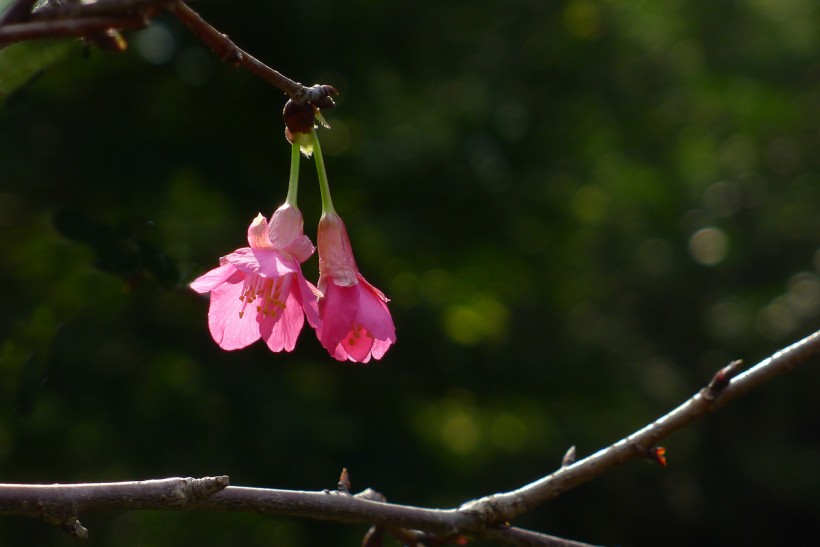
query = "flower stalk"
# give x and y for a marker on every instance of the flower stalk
(324, 187)
(293, 182)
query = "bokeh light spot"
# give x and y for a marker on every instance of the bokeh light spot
(804, 294)
(708, 246)
(468, 324)
(155, 44)
(460, 432)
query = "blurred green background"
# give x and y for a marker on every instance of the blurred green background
(580, 210)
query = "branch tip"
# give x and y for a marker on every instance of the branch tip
(73, 528)
(374, 537)
(344, 482)
(569, 457)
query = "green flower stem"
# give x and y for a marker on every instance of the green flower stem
(327, 203)
(293, 183)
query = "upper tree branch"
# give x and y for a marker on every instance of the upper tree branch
(61, 19)
(227, 50)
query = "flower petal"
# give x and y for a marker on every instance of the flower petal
(301, 248)
(258, 236)
(213, 278)
(308, 297)
(272, 263)
(335, 254)
(287, 326)
(380, 347)
(243, 259)
(372, 312)
(230, 328)
(337, 309)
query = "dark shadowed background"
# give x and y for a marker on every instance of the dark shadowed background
(580, 210)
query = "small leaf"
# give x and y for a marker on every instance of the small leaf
(22, 63)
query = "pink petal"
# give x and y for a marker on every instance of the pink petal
(335, 254)
(258, 236)
(269, 262)
(301, 248)
(275, 264)
(339, 353)
(308, 297)
(286, 225)
(243, 259)
(337, 309)
(212, 279)
(380, 347)
(287, 326)
(373, 314)
(229, 329)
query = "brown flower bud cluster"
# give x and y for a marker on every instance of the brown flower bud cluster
(300, 117)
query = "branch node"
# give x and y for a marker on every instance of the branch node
(371, 495)
(206, 487)
(486, 510)
(721, 380)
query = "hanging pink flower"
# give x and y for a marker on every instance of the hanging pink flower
(259, 291)
(355, 322)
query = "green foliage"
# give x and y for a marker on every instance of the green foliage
(23, 63)
(579, 209)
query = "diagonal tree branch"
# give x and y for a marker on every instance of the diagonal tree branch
(224, 48)
(483, 518)
(641, 444)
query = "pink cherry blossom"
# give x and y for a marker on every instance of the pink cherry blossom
(355, 322)
(259, 291)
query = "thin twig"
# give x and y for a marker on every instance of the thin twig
(226, 49)
(641, 444)
(67, 28)
(61, 19)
